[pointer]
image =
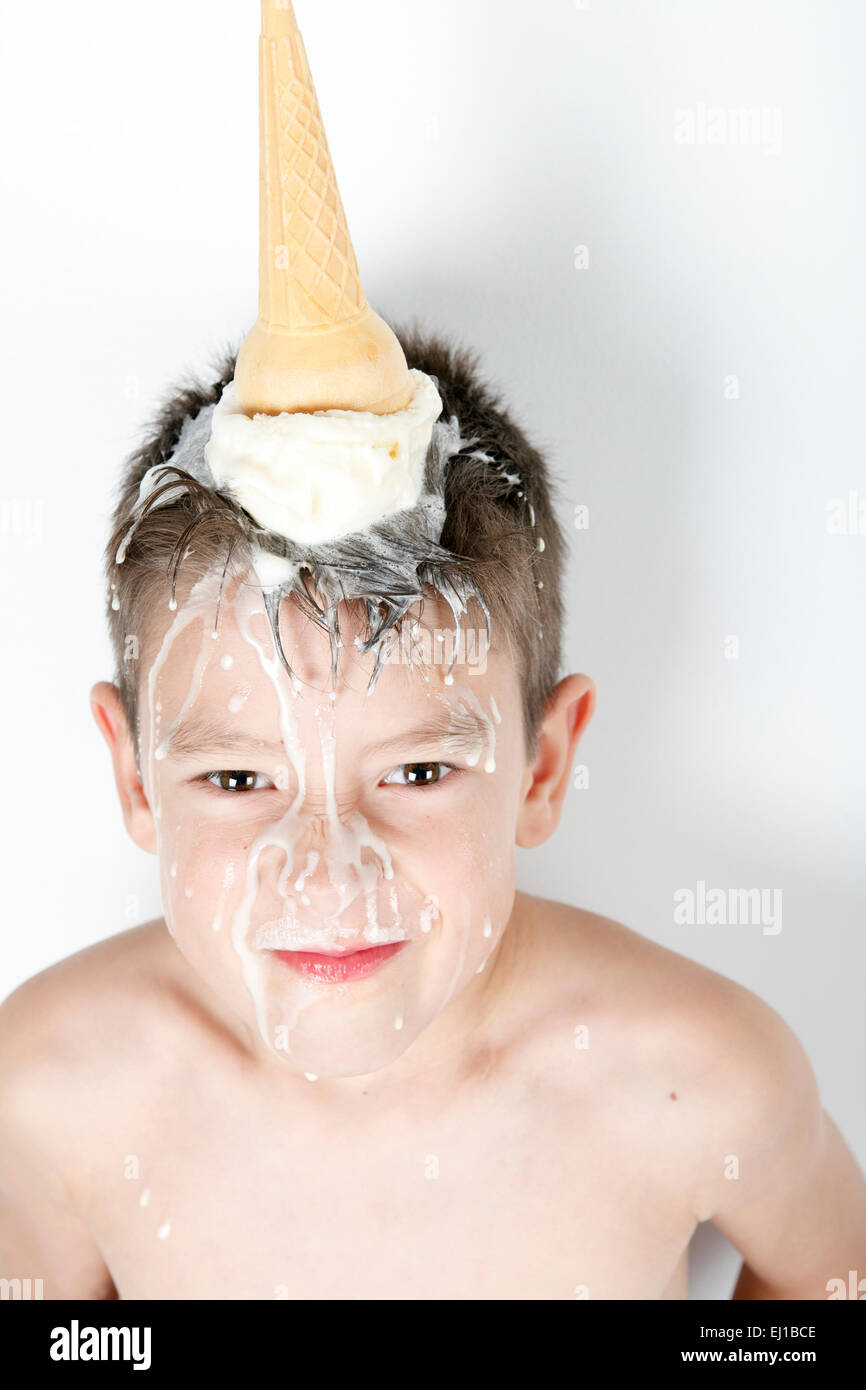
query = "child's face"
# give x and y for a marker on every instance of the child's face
(336, 869)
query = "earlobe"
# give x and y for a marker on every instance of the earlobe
(110, 716)
(567, 714)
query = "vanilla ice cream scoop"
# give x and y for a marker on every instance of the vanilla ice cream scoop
(317, 476)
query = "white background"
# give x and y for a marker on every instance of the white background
(477, 145)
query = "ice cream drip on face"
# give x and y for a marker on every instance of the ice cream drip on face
(293, 894)
(228, 880)
(312, 861)
(349, 874)
(199, 607)
(480, 726)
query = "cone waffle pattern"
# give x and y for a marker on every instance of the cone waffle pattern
(310, 276)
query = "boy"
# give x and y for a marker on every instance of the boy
(353, 1062)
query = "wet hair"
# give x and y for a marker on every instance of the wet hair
(501, 545)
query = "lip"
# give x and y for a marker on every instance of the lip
(336, 967)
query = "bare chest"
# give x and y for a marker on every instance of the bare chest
(455, 1209)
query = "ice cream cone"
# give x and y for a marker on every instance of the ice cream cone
(317, 344)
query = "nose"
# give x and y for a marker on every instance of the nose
(328, 863)
(324, 883)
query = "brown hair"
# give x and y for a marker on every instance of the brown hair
(501, 540)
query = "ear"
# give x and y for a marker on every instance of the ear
(567, 713)
(110, 716)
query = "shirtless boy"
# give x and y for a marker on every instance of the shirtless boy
(352, 1062)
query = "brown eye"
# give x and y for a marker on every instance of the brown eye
(234, 781)
(419, 774)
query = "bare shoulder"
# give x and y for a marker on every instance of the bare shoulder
(64, 1011)
(72, 1065)
(632, 980)
(626, 977)
(72, 1035)
(691, 1043)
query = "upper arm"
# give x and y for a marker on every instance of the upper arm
(40, 1241)
(42, 1235)
(783, 1186)
(808, 1231)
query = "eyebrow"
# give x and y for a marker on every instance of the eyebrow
(198, 735)
(461, 727)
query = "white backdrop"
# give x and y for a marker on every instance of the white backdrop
(649, 219)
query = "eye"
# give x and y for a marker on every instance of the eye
(418, 774)
(234, 781)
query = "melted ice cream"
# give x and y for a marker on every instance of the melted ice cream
(316, 477)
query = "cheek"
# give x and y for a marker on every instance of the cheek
(202, 868)
(466, 839)
(465, 860)
(468, 856)
(203, 878)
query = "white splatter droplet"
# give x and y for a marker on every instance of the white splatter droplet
(428, 912)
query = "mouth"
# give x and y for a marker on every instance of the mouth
(336, 965)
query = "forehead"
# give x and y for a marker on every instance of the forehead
(220, 657)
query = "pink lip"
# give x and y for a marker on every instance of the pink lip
(339, 965)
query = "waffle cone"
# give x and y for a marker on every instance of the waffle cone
(317, 344)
